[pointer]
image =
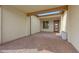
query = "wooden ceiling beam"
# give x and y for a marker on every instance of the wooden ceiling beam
(49, 10)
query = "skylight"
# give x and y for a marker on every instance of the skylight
(49, 13)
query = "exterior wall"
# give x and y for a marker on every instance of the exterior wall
(27, 25)
(63, 22)
(73, 26)
(51, 23)
(35, 24)
(13, 24)
(16, 24)
(0, 25)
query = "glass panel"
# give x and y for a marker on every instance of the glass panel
(49, 13)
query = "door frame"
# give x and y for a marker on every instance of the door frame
(58, 25)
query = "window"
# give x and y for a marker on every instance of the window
(45, 25)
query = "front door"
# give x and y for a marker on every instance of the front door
(56, 25)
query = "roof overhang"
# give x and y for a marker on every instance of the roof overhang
(63, 8)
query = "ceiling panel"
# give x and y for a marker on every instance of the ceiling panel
(34, 8)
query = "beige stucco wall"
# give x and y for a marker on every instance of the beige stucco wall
(73, 26)
(0, 25)
(35, 24)
(13, 24)
(27, 25)
(63, 22)
(16, 24)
